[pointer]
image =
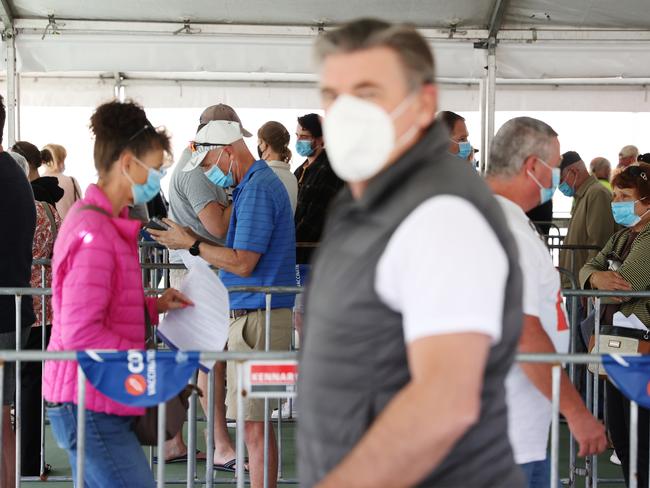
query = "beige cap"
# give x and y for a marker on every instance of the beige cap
(222, 111)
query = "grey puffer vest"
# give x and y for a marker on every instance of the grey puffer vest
(353, 359)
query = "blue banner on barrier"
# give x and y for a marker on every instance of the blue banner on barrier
(139, 378)
(631, 375)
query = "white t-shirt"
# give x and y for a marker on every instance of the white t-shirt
(445, 271)
(529, 411)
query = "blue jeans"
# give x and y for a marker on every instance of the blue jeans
(114, 456)
(538, 473)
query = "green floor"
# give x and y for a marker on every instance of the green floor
(174, 474)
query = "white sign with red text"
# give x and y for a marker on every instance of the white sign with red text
(271, 379)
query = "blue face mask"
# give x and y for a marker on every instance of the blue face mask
(567, 189)
(305, 148)
(143, 193)
(216, 176)
(464, 149)
(545, 194)
(624, 213)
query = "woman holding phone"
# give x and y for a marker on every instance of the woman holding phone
(97, 293)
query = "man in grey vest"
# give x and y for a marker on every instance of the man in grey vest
(414, 309)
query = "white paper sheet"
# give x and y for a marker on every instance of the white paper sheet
(631, 322)
(203, 326)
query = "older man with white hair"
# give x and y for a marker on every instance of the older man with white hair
(627, 155)
(523, 172)
(260, 250)
(200, 204)
(601, 168)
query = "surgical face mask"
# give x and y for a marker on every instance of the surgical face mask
(143, 193)
(360, 136)
(545, 194)
(305, 148)
(464, 149)
(566, 189)
(624, 213)
(216, 176)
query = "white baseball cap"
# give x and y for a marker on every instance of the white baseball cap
(215, 133)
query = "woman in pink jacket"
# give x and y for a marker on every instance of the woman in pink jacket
(98, 299)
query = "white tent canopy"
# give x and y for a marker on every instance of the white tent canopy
(535, 54)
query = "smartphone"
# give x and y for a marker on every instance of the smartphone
(156, 224)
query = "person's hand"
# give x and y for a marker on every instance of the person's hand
(609, 280)
(176, 237)
(589, 432)
(172, 299)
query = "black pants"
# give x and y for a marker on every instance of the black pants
(30, 408)
(618, 423)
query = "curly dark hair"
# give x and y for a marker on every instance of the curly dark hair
(636, 177)
(121, 126)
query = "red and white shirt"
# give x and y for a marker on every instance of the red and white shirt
(529, 411)
(42, 247)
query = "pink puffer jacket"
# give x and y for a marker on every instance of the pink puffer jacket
(97, 297)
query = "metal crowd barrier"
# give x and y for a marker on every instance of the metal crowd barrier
(239, 357)
(590, 471)
(571, 248)
(191, 478)
(554, 235)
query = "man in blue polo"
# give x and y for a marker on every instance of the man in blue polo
(260, 251)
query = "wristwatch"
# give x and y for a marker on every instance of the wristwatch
(194, 250)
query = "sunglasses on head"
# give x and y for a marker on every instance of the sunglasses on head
(194, 146)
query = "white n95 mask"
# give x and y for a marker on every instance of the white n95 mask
(360, 136)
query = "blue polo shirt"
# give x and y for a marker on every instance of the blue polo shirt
(262, 222)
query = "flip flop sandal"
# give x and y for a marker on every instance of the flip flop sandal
(179, 459)
(229, 467)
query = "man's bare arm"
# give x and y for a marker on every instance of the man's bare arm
(215, 218)
(239, 262)
(446, 383)
(587, 430)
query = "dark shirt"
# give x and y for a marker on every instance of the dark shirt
(47, 189)
(18, 217)
(542, 213)
(317, 186)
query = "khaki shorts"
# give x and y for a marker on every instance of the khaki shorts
(247, 334)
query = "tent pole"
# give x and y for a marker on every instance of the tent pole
(490, 102)
(9, 37)
(482, 100)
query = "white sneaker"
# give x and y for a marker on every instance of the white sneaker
(288, 411)
(614, 459)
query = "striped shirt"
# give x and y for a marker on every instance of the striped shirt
(262, 222)
(635, 269)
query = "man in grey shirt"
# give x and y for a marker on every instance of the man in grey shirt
(198, 203)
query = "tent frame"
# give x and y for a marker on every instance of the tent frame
(486, 39)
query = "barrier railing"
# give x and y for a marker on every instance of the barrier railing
(18, 293)
(590, 472)
(571, 248)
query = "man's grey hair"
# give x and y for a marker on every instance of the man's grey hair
(629, 151)
(516, 140)
(412, 49)
(600, 164)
